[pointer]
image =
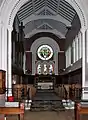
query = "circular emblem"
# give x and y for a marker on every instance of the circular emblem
(45, 52)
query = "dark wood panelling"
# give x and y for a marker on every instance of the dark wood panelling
(17, 47)
(73, 77)
(17, 70)
(61, 60)
(29, 62)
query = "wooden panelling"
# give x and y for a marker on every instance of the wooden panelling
(61, 60)
(2, 81)
(29, 62)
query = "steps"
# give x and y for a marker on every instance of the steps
(46, 100)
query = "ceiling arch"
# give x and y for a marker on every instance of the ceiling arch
(45, 25)
(47, 12)
(14, 6)
(50, 7)
(57, 33)
(66, 5)
(56, 18)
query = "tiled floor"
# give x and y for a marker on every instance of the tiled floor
(62, 115)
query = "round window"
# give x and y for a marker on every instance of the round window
(45, 52)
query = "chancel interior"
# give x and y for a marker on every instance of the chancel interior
(44, 54)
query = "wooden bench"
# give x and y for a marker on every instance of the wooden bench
(80, 110)
(8, 110)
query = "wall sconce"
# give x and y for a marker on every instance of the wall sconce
(71, 65)
(14, 82)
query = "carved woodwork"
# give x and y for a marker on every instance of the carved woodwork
(2, 82)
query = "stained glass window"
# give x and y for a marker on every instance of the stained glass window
(45, 52)
(39, 69)
(51, 69)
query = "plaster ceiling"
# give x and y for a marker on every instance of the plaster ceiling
(46, 15)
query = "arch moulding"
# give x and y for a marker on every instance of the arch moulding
(10, 8)
(42, 41)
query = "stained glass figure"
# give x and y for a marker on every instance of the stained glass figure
(45, 69)
(39, 69)
(50, 69)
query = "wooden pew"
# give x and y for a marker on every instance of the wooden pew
(80, 110)
(13, 111)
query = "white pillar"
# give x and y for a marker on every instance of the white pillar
(73, 51)
(83, 63)
(80, 45)
(0, 45)
(3, 59)
(3, 49)
(86, 66)
(86, 46)
(5, 53)
(77, 48)
(9, 62)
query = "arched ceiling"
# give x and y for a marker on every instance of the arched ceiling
(45, 25)
(45, 15)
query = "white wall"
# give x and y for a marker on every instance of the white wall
(1, 2)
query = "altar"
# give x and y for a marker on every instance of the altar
(45, 81)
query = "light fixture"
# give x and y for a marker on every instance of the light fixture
(71, 65)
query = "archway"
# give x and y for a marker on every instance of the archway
(39, 42)
(15, 6)
(6, 23)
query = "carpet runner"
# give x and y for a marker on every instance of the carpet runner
(46, 100)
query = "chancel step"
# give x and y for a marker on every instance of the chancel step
(46, 100)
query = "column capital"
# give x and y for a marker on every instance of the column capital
(82, 30)
(1, 22)
(87, 30)
(10, 28)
